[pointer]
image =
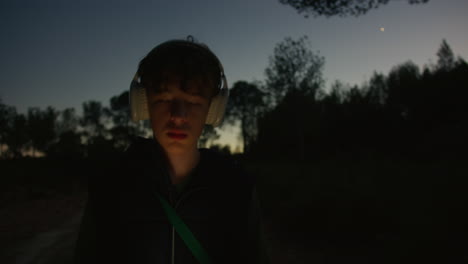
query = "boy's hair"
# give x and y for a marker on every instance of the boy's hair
(184, 60)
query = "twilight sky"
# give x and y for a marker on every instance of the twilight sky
(63, 52)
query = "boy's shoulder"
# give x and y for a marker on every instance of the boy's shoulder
(217, 167)
(139, 149)
(225, 167)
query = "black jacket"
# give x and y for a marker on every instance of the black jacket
(124, 221)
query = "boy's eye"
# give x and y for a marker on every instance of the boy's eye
(161, 99)
(194, 103)
(190, 101)
(196, 100)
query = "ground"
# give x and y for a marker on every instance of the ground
(41, 231)
(44, 231)
(348, 211)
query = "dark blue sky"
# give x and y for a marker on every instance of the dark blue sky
(64, 52)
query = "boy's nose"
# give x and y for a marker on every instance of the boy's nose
(178, 110)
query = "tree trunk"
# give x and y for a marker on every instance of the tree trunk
(244, 135)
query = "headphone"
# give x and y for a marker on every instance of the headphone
(139, 101)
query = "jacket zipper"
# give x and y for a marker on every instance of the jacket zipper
(177, 203)
(173, 246)
(171, 201)
(187, 194)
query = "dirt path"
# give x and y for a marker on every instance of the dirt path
(56, 246)
(50, 247)
(282, 249)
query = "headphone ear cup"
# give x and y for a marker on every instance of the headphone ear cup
(217, 108)
(138, 102)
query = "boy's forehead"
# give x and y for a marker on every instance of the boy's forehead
(194, 86)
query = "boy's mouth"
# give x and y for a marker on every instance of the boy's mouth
(176, 135)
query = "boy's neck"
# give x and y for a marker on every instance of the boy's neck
(181, 165)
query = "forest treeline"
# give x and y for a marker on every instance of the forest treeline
(409, 111)
(290, 115)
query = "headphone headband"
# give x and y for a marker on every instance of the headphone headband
(190, 43)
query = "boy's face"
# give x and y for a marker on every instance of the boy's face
(177, 115)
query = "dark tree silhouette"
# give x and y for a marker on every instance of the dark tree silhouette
(246, 104)
(226, 150)
(96, 124)
(403, 89)
(290, 129)
(123, 129)
(341, 8)
(294, 66)
(445, 93)
(377, 89)
(41, 127)
(119, 105)
(208, 136)
(336, 94)
(7, 119)
(332, 118)
(16, 137)
(404, 112)
(67, 121)
(68, 145)
(294, 79)
(446, 59)
(93, 119)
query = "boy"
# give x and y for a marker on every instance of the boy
(180, 86)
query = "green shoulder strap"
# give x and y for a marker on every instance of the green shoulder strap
(184, 232)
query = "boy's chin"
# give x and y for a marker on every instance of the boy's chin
(178, 148)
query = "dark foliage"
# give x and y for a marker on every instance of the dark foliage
(341, 8)
(293, 67)
(404, 112)
(247, 103)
